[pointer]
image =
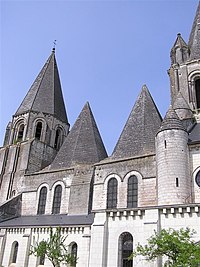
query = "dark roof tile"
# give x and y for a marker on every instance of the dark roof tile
(138, 135)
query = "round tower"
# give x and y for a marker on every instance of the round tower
(173, 179)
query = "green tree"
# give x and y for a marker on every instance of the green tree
(54, 249)
(176, 245)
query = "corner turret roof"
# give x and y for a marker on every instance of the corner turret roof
(181, 104)
(83, 144)
(194, 40)
(179, 42)
(171, 121)
(45, 94)
(138, 135)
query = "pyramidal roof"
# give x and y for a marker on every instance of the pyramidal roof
(138, 135)
(45, 94)
(83, 144)
(194, 40)
(171, 121)
(180, 102)
(179, 42)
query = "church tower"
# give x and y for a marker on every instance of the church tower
(36, 133)
(185, 67)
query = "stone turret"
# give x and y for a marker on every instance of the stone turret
(185, 67)
(173, 179)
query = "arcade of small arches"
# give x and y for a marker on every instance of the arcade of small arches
(39, 132)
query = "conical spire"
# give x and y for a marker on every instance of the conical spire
(181, 107)
(45, 94)
(179, 51)
(83, 144)
(171, 121)
(138, 135)
(194, 40)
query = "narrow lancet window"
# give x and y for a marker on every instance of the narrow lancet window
(42, 200)
(197, 89)
(112, 193)
(74, 250)
(38, 130)
(20, 133)
(125, 250)
(14, 252)
(57, 199)
(57, 143)
(132, 192)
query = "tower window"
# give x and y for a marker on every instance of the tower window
(20, 133)
(57, 143)
(197, 178)
(112, 193)
(42, 200)
(132, 192)
(125, 249)
(57, 199)
(38, 130)
(197, 89)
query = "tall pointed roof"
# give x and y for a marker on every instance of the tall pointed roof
(194, 40)
(138, 135)
(171, 121)
(179, 42)
(181, 107)
(45, 94)
(83, 144)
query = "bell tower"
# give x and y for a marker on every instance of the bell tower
(36, 132)
(185, 67)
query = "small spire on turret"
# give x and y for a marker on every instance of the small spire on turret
(179, 51)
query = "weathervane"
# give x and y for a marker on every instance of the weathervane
(54, 45)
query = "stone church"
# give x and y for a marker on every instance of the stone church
(53, 175)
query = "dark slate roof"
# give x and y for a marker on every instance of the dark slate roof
(180, 104)
(194, 40)
(171, 121)
(138, 135)
(45, 94)
(194, 134)
(83, 144)
(49, 220)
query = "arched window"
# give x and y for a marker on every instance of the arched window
(20, 133)
(58, 139)
(57, 199)
(38, 130)
(197, 89)
(197, 178)
(125, 245)
(42, 260)
(112, 193)
(74, 250)
(14, 252)
(132, 192)
(42, 200)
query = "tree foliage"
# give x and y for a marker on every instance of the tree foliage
(54, 249)
(176, 245)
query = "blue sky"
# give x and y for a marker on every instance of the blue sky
(106, 51)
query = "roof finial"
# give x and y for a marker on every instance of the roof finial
(54, 45)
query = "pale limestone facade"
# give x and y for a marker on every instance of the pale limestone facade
(50, 176)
